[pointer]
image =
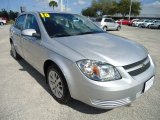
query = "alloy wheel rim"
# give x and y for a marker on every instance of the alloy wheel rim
(55, 84)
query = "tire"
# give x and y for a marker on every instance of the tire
(14, 54)
(159, 27)
(118, 28)
(58, 85)
(1, 23)
(105, 28)
(139, 26)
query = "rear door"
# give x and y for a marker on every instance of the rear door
(16, 31)
(113, 24)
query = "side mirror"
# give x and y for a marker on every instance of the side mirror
(31, 33)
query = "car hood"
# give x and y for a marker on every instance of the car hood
(105, 47)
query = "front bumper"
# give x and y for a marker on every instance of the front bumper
(111, 94)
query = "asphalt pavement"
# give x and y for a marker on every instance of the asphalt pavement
(24, 94)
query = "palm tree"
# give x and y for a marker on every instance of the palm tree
(53, 4)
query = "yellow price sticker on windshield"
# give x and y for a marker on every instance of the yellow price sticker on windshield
(45, 15)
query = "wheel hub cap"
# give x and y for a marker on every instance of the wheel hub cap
(55, 84)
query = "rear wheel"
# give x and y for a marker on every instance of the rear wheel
(140, 26)
(14, 53)
(58, 85)
(118, 28)
(159, 27)
(105, 28)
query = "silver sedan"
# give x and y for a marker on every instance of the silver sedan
(80, 60)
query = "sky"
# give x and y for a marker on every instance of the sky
(74, 6)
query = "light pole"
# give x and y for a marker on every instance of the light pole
(66, 5)
(61, 5)
(130, 9)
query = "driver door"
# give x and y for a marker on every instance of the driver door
(32, 48)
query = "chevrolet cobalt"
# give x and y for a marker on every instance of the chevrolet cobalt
(81, 61)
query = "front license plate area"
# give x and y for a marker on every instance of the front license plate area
(148, 84)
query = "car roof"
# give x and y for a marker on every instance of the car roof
(37, 12)
(107, 18)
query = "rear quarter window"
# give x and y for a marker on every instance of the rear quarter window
(20, 22)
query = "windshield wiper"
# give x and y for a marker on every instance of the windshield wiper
(90, 32)
(60, 35)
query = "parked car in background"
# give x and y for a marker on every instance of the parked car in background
(123, 22)
(131, 22)
(147, 24)
(155, 25)
(139, 23)
(81, 61)
(108, 24)
(3, 21)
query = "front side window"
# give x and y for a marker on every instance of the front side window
(31, 23)
(62, 24)
(20, 22)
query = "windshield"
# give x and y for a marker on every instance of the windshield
(63, 24)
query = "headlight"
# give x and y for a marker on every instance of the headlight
(99, 71)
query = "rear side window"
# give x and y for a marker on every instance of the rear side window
(107, 20)
(112, 20)
(20, 22)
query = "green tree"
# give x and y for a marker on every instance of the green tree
(11, 15)
(124, 7)
(111, 7)
(4, 13)
(104, 7)
(53, 4)
(136, 8)
(89, 12)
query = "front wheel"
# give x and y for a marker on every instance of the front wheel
(1, 23)
(58, 85)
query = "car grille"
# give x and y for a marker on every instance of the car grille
(111, 104)
(138, 67)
